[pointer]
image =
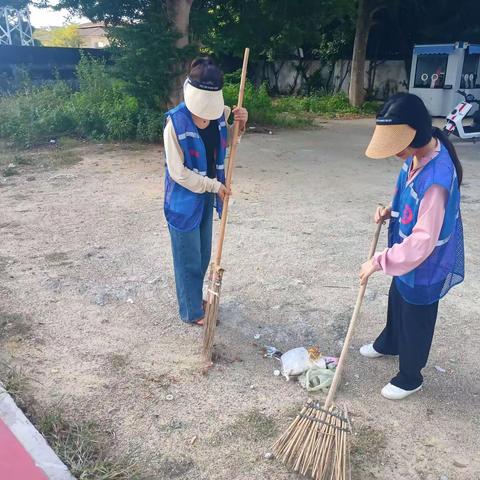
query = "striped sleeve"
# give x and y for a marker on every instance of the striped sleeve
(179, 172)
(404, 257)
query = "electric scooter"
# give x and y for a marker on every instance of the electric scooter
(454, 122)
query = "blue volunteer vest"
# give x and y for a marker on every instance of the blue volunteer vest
(184, 208)
(444, 268)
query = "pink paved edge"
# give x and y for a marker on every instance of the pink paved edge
(15, 462)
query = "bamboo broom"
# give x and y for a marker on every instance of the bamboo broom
(316, 443)
(216, 275)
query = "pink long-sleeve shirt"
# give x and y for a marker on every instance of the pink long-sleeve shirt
(403, 257)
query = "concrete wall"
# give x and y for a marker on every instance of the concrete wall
(389, 77)
(288, 80)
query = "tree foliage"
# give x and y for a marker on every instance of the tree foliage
(387, 28)
(144, 36)
(272, 28)
(18, 4)
(404, 23)
(66, 36)
(146, 59)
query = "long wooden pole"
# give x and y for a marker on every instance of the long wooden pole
(231, 160)
(351, 328)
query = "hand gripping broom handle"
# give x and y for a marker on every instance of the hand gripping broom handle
(353, 321)
(231, 159)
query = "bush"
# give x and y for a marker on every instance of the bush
(103, 108)
(150, 126)
(256, 100)
(100, 109)
(35, 114)
(290, 111)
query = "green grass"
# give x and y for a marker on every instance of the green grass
(368, 448)
(57, 158)
(14, 324)
(255, 425)
(172, 467)
(331, 106)
(16, 160)
(118, 361)
(56, 257)
(83, 446)
(18, 385)
(252, 426)
(22, 160)
(9, 171)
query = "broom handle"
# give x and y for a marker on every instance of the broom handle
(231, 159)
(353, 321)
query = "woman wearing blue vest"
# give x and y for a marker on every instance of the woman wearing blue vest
(196, 137)
(425, 252)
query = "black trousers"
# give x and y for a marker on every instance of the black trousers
(408, 334)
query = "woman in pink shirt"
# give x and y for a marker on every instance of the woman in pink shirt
(425, 254)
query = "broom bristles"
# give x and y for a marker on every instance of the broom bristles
(316, 444)
(211, 313)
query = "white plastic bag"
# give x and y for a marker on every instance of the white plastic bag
(299, 360)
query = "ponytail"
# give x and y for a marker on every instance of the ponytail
(438, 134)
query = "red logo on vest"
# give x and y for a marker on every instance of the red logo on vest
(407, 216)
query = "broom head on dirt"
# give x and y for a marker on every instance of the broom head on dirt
(211, 310)
(316, 444)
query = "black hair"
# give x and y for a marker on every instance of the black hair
(409, 109)
(440, 135)
(204, 71)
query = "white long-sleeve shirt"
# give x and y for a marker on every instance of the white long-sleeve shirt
(176, 164)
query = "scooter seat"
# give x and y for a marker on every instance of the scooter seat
(471, 128)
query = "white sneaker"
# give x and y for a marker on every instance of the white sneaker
(369, 352)
(395, 393)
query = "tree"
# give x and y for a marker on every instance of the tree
(395, 30)
(18, 4)
(179, 14)
(366, 10)
(150, 43)
(271, 28)
(153, 40)
(66, 36)
(146, 58)
(275, 30)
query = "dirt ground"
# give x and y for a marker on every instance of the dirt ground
(89, 310)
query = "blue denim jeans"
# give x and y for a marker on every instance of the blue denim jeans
(191, 258)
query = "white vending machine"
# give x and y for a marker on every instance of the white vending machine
(439, 71)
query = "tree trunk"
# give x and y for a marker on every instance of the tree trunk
(179, 12)
(356, 92)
